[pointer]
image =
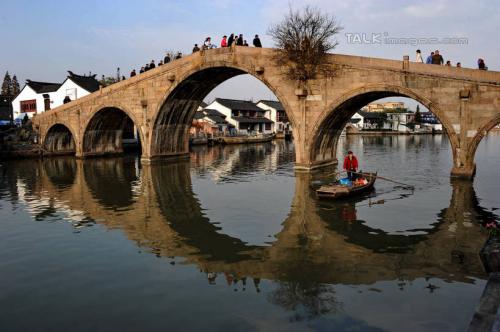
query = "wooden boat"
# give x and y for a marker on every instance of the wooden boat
(198, 141)
(246, 139)
(334, 191)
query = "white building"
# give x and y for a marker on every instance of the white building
(276, 113)
(243, 115)
(400, 121)
(74, 87)
(37, 97)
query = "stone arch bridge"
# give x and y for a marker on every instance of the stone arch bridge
(162, 102)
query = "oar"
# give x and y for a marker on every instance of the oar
(386, 179)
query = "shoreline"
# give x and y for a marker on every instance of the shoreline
(387, 133)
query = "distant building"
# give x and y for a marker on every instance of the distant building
(37, 97)
(400, 121)
(429, 120)
(75, 86)
(384, 107)
(209, 122)
(243, 115)
(374, 121)
(6, 116)
(276, 113)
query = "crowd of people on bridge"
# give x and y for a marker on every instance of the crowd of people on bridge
(437, 59)
(233, 40)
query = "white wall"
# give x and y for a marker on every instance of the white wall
(68, 88)
(28, 94)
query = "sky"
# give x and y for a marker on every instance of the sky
(41, 40)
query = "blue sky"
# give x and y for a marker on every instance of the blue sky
(44, 39)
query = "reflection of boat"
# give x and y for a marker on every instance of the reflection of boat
(246, 139)
(334, 191)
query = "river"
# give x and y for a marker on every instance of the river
(235, 240)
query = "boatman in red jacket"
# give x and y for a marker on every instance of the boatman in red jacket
(350, 165)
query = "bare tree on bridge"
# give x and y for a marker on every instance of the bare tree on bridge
(304, 38)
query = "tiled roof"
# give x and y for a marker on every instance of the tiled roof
(217, 119)
(209, 111)
(373, 115)
(272, 103)
(42, 87)
(88, 83)
(239, 105)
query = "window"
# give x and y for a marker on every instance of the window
(268, 126)
(28, 106)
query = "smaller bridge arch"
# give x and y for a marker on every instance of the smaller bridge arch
(59, 140)
(329, 126)
(104, 130)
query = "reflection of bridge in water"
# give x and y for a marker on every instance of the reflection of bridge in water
(323, 238)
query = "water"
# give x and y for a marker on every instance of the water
(236, 241)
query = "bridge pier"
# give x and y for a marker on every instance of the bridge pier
(464, 172)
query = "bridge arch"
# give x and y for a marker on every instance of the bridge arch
(328, 127)
(173, 116)
(104, 128)
(59, 139)
(481, 133)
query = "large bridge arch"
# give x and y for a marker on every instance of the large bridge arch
(175, 111)
(102, 130)
(328, 127)
(59, 139)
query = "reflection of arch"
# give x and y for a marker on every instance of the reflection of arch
(103, 133)
(110, 181)
(59, 140)
(329, 126)
(61, 171)
(176, 110)
(172, 184)
(481, 133)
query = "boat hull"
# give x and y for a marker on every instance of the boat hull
(337, 191)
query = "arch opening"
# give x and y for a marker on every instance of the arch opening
(110, 131)
(171, 131)
(340, 120)
(59, 141)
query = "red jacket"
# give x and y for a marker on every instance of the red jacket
(350, 164)
(223, 43)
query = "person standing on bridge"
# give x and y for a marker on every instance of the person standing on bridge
(350, 165)
(230, 41)
(132, 73)
(223, 43)
(142, 70)
(481, 65)
(256, 41)
(419, 57)
(195, 48)
(429, 59)
(239, 42)
(166, 59)
(437, 59)
(152, 65)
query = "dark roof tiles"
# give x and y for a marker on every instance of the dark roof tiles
(43, 87)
